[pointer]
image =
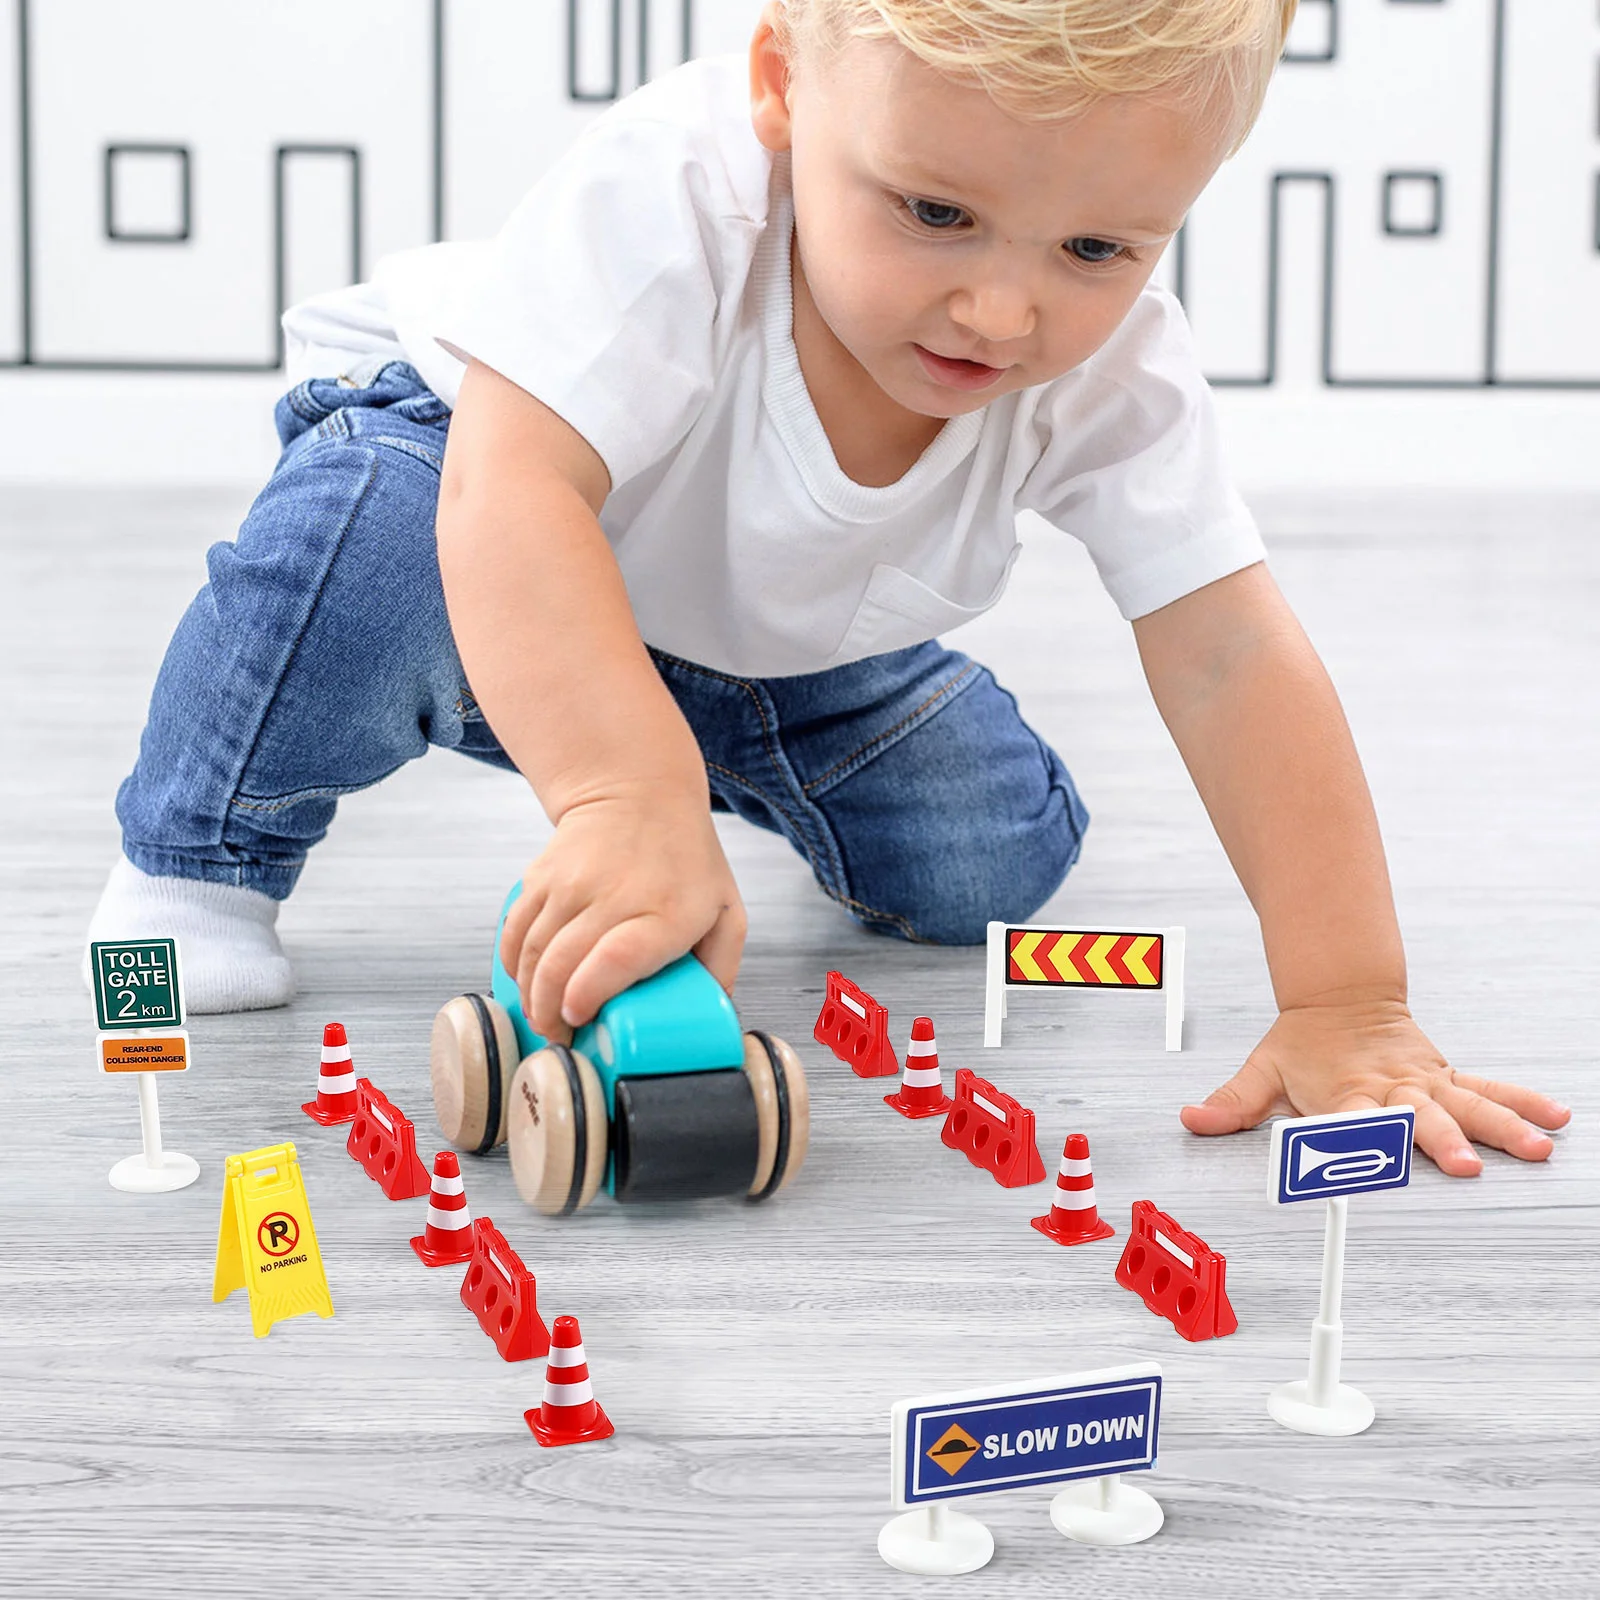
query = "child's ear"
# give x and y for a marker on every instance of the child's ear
(769, 81)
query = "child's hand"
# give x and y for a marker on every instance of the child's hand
(1350, 1057)
(629, 882)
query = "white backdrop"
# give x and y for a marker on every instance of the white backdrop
(1396, 283)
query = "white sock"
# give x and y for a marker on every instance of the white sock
(230, 958)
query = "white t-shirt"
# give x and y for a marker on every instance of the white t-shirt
(642, 289)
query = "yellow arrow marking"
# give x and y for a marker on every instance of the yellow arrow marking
(1022, 954)
(1135, 958)
(1097, 959)
(1057, 958)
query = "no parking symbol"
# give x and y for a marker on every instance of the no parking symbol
(277, 1233)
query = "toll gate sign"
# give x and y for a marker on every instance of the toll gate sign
(136, 984)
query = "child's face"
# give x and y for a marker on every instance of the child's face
(931, 224)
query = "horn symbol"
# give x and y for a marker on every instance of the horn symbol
(1342, 1166)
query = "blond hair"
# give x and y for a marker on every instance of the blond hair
(1043, 59)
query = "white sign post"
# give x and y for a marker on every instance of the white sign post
(1330, 1158)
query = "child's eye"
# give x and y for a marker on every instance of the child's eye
(1094, 252)
(933, 213)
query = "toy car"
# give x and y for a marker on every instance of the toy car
(660, 1097)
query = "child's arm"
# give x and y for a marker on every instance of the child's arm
(635, 874)
(1258, 724)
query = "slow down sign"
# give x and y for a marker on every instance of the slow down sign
(1085, 1430)
(981, 1441)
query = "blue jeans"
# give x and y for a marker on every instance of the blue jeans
(319, 659)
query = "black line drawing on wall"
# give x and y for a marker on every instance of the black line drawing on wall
(583, 16)
(1315, 36)
(286, 157)
(1460, 220)
(1510, 326)
(166, 165)
(1413, 202)
(283, 157)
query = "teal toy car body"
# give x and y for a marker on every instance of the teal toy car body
(661, 1097)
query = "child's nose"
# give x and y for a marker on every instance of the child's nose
(995, 310)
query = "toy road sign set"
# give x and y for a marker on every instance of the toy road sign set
(663, 1097)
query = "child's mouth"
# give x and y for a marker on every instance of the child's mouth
(954, 374)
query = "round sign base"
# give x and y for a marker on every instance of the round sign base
(964, 1544)
(1094, 1512)
(135, 1175)
(1351, 1411)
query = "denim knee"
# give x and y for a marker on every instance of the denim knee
(974, 818)
(317, 659)
(1002, 870)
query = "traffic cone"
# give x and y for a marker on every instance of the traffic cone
(570, 1413)
(920, 1094)
(1074, 1218)
(336, 1081)
(447, 1240)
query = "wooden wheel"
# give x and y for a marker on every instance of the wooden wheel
(556, 1129)
(472, 1057)
(783, 1111)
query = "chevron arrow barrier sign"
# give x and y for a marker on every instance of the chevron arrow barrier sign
(1123, 960)
(1034, 957)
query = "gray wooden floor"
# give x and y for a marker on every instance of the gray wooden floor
(748, 1356)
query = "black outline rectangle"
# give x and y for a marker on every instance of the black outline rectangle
(614, 91)
(280, 230)
(185, 190)
(1332, 53)
(1390, 179)
(604, 96)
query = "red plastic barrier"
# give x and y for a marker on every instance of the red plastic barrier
(383, 1140)
(993, 1132)
(1177, 1275)
(501, 1293)
(856, 1028)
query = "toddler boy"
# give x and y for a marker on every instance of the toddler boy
(741, 407)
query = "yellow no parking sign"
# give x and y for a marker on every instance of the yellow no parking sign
(267, 1243)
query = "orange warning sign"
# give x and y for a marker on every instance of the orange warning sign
(167, 1052)
(953, 1449)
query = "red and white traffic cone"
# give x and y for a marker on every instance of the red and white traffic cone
(336, 1081)
(920, 1094)
(570, 1413)
(447, 1240)
(1074, 1217)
